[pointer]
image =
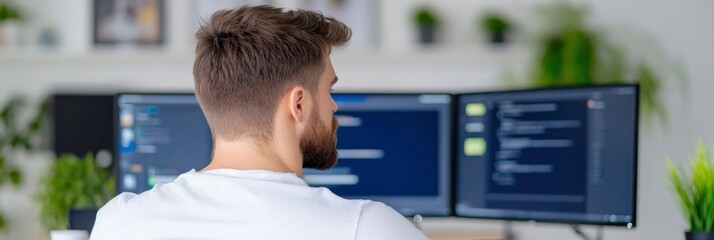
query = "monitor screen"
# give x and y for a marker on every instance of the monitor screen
(158, 138)
(554, 155)
(82, 124)
(392, 148)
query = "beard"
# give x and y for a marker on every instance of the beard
(319, 144)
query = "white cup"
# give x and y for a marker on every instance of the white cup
(69, 235)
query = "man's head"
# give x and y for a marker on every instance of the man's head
(249, 59)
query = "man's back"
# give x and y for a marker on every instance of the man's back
(253, 204)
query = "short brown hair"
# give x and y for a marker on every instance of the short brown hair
(247, 58)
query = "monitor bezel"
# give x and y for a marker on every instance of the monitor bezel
(629, 225)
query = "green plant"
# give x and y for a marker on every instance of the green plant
(495, 23)
(695, 191)
(570, 52)
(72, 182)
(425, 17)
(8, 12)
(15, 137)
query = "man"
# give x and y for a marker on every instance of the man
(263, 79)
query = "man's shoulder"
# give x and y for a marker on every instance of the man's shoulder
(372, 210)
(377, 208)
(325, 194)
(117, 208)
(118, 202)
(379, 221)
(111, 217)
(132, 204)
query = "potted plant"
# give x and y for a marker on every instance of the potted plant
(570, 52)
(427, 23)
(15, 138)
(694, 191)
(9, 15)
(72, 183)
(496, 26)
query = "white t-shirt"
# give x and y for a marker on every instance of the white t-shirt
(253, 204)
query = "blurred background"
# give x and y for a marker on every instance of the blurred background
(52, 50)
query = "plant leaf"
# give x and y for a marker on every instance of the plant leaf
(72, 182)
(15, 177)
(696, 191)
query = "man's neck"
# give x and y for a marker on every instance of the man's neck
(249, 155)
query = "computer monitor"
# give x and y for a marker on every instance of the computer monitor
(555, 155)
(393, 148)
(83, 124)
(159, 136)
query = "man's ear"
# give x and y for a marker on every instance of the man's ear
(297, 105)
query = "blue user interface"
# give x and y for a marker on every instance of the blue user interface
(159, 137)
(393, 148)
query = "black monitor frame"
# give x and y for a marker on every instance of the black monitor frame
(455, 163)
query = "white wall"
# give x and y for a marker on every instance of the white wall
(680, 27)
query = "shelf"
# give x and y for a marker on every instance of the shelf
(433, 55)
(426, 69)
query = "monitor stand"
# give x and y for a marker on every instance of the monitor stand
(576, 228)
(509, 234)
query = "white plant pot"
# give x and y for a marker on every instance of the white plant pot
(69, 235)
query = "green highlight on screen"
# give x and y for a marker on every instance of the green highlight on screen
(151, 181)
(474, 147)
(475, 109)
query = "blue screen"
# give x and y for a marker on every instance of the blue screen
(416, 154)
(159, 138)
(562, 155)
(394, 149)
